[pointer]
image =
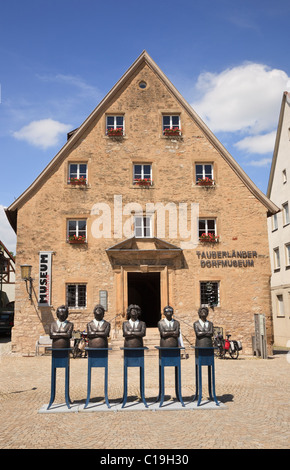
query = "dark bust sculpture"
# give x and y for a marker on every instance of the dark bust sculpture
(203, 329)
(169, 329)
(134, 329)
(61, 329)
(98, 329)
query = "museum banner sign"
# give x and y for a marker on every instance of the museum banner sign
(44, 287)
(226, 259)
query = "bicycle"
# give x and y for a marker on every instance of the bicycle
(225, 346)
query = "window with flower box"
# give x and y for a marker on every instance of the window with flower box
(204, 174)
(142, 174)
(171, 125)
(77, 231)
(77, 173)
(76, 295)
(207, 231)
(115, 126)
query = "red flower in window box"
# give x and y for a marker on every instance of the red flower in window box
(205, 181)
(143, 181)
(78, 181)
(73, 239)
(174, 131)
(209, 238)
(118, 132)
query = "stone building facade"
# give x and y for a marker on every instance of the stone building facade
(143, 205)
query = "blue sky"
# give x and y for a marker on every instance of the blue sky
(59, 58)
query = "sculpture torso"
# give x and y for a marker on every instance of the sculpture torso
(134, 334)
(204, 334)
(98, 334)
(60, 333)
(169, 334)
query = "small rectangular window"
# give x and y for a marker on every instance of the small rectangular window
(276, 253)
(77, 173)
(286, 218)
(209, 293)
(171, 125)
(274, 222)
(76, 295)
(287, 254)
(142, 227)
(284, 176)
(115, 125)
(142, 173)
(280, 306)
(77, 230)
(203, 172)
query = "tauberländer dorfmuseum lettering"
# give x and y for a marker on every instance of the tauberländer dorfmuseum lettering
(226, 259)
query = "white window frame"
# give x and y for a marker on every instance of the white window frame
(286, 217)
(203, 171)
(78, 231)
(276, 257)
(139, 223)
(274, 222)
(280, 305)
(78, 173)
(142, 176)
(287, 255)
(170, 125)
(218, 291)
(206, 226)
(115, 126)
(76, 304)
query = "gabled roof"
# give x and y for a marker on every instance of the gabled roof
(285, 99)
(143, 58)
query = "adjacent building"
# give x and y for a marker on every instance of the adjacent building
(142, 205)
(279, 227)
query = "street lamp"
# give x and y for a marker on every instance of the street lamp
(26, 276)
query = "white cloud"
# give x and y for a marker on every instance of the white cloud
(7, 234)
(245, 98)
(257, 144)
(260, 163)
(44, 133)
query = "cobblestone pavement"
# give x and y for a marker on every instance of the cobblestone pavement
(255, 392)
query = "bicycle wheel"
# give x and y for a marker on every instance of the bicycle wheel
(234, 354)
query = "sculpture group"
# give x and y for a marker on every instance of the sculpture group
(134, 329)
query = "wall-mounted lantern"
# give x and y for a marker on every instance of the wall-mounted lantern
(26, 276)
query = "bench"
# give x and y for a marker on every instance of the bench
(42, 342)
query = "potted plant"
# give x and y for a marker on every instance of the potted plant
(73, 239)
(205, 181)
(143, 181)
(209, 238)
(118, 132)
(78, 181)
(174, 131)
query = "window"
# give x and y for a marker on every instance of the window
(287, 254)
(142, 172)
(77, 172)
(203, 171)
(284, 176)
(274, 222)
(286, 219)
(207, 226)
(76, 295)
(115, 125)
(142, 227)
(171, 122)
(276, 258)
(209, 293)
(280, 306)
(77, 229)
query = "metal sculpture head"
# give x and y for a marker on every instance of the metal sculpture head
(62, 313)
(133, 312)
(99, 312)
